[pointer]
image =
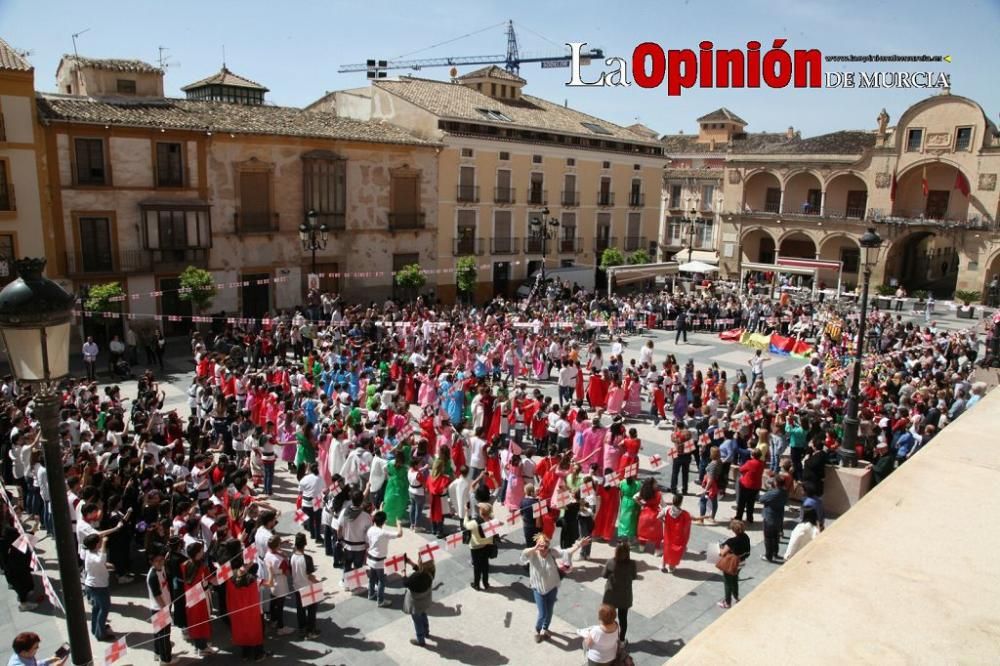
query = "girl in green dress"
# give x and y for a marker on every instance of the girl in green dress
(305, 451)
(628, 510)
(397, 486)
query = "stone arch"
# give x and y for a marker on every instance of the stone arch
(922, 260)
(803, 193)
(843, 247)
(846, 196)
(943, 200)
(991, 268)
(798, 244)
(758, 245)
(762, 191)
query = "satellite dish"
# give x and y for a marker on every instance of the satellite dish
(453, 72)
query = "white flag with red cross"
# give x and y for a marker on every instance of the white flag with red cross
(561, 499)
(161, 619)
(356, 578)
(335, 487)
(194, 595)
(492, 527)
(452, 541)
(249, 554)
(655, 461)
(318, 503)
(50, 592)
(632, 470)
(612, 479)
(300, 517)
(311, 594)
(427, 552)
(543, 504)
(224, 573)
(689, 446)
(395, 563)
(115, 651)
(512, 518)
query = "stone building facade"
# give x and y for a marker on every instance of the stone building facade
(509, 158)
(144, 186)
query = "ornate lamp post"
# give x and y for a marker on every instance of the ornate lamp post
(870, 245)
(692, 217)
(35, 316)
(544, 231)
(313, 235)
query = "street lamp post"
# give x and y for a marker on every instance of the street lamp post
(870, 244)
(313, 235)
(692, 217)
(35, 316)
(544, 231)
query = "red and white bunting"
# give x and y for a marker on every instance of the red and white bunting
(427, 552)
(23, 543)
(561, 499)
(632, 470)
(50, 592)
(395, 564)
(311, 594)
(356, 578)
(512, 518)
(161, 619)
(115, 651)
(655, 461)
(492, 527)
(543, 504)
(612, 479)
(194, 595)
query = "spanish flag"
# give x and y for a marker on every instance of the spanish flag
(961, 184)
(923, 182)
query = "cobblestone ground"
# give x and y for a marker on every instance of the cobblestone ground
(467, 627)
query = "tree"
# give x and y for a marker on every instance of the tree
(612, 256)
(967, 296)
(100, 299)
(412, 278)
(639, 257)
(466, 274)
(197, 287)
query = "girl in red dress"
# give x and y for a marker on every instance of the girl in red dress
(650, 531)
(243, 605)
(630, 454)
(607, 512)
(437, 488)
(676, 532)
(196, 574)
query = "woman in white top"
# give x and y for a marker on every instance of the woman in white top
(600, 642)
(646, 353)
(416, 477)
(277, 568)
(803, 533)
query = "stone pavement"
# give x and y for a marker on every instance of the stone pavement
(468, 627)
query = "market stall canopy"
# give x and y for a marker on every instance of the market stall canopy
(638, 272)
(705, 256)
(697, 267)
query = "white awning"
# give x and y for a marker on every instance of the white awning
(697, 267)
(704, 256)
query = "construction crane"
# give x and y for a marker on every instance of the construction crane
(511, 61)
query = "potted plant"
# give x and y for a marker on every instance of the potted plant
(884, 299)
(921, 296)
(968, 298)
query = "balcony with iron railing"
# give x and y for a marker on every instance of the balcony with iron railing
(538, 197)
(405, 221)
(333, 221)
(636, 199)
(467, 193)
(504, 195)
(601, 244)
(7, 201)
(903, 216)
(605, 198)
(633, 243)
(462, 247)
(570, 245)
(533, 245)
(256, 222)
(130, 261)
(504, 245)
(570, 198)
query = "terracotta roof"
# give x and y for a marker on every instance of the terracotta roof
(112, 64)
(643, 131)
(459, 102)
(10, 59)
(846, 142)
(680, 144)
(492, 72)
(217, 117)
(225, 78)
(722, 114)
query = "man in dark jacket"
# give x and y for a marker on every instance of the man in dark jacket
(773, 501)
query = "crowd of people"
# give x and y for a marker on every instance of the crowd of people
(440, 418)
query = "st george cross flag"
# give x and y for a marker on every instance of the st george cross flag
(161, 619)
(194, 595)
(395, 563)
(427, 552)
(512, 518)
(492, 527)
(655, 461)
(50, 592)
(632, 470)
(452, 541)
(224, 573)
(611, 479)
(300, 517)
(356, 578)
(115, 651)
(249, 555)
(317, 503)
(561, 499)
(311, 594)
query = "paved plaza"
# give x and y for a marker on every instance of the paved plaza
(469, 627)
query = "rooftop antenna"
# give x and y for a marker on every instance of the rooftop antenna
(223, 56)
(76, 56)
(164, 59)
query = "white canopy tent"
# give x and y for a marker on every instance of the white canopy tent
(750, 266)
(697, 267)
(639, 272)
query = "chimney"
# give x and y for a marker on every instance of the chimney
(711, 145)
(790, 133)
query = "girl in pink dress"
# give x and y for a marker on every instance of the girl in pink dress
(515, 483)
(613, 449)
(427, 395)
(616, 399)
(633, 396)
